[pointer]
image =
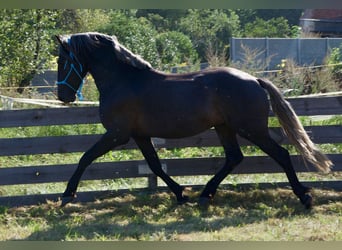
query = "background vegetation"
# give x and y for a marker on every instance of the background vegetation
(163, 37)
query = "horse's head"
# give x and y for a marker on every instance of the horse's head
(71, 72)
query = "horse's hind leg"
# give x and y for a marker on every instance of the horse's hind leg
(233, 157)
(151, 157)
(282, 157)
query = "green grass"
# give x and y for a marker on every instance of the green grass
(273, 214)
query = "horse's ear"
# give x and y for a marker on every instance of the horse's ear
(60, 40)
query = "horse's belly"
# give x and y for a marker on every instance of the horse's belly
(177, 112)
(176, 131)
(168, 126)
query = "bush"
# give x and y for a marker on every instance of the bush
(175, 48)
(275, 27)
(137, 34)
(296, 80)
(335, 60)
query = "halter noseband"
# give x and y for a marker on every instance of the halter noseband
(73, 68)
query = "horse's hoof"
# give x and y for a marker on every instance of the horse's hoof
(204, 202)
(67, 199)
(182, 200)
(307, 201)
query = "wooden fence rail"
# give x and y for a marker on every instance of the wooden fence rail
(304, 106)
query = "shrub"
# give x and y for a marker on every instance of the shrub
(335, 60)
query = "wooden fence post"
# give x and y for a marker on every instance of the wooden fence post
(152, 181)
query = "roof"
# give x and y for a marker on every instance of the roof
(332, 14)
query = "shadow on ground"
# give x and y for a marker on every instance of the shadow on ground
(156, 216)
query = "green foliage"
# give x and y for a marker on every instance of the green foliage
(303, 81)
(275, 27)
(25, 44)
(175, 48)
(81, 20)
(246, 16)
(163, 19)
(292, 15)
(164, 37)
(209, 28)
(137, 34)
(335, 59)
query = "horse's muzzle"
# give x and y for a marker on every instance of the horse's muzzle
(67, 99)
(65, 95)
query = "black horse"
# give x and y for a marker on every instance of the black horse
(139, 102)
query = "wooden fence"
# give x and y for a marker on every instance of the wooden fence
(304, 106)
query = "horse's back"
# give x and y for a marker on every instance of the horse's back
(238, 95)
(233, 85)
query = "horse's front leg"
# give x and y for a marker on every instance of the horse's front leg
(151, 157)
(107, 142)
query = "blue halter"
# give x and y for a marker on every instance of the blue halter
(73, 68)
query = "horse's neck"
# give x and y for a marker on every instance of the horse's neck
(109, 78)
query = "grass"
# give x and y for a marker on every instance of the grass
(269, 214)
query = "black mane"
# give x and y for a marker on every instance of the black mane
(87, 41)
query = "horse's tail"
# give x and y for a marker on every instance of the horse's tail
(294, 129)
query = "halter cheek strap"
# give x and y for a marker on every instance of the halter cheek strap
(73, 68)
(64, 82)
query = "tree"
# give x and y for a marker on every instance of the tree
(137, 34)
(210, 28)
(335, 59)
(175, 48)
(163, 19)
(245, 16)
(275, 27)
(81, 20)
(25, 44)
(69, 21)
(291, 15)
